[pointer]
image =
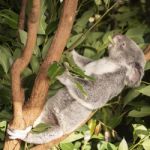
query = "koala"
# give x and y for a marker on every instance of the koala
(70, 108)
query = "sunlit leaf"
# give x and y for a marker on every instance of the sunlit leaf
(145, 90)
(123, 145)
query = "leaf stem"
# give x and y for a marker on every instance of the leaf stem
(96, 23)
(140, 142)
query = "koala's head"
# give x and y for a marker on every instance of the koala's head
(126, 51)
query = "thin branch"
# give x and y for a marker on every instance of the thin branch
(21, 22)
(17, 68)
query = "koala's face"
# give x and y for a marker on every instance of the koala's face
(126, 49)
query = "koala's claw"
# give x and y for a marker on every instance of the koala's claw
(18, 134)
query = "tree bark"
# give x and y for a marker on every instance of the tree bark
(17, 68)
(40, 89)
(147, 53)
(21, 22)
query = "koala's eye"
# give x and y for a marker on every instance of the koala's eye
(123, 44)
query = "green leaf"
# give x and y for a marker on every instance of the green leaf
(23, 36)
(93, 37)
(5, 115)
(131, 95)
(107, 2)
(42, 22)
(51, 27)
(123, 145)
(66, 146)
(83, 20)
(140, 131)
(34, 64)
(79, 38)
(145, 90)
(136, 33)
(81, 89)
(147, 66)
(92, 125)
(98, 2)
(16, 53)
(73, 137)
(41, 128)
(46, 47)
(143, 112)
(146, 144)
(6, 58)
(40, 40)
(103, 145)
(89, 53)
(54, 70)
(9, 17)
(27, 72)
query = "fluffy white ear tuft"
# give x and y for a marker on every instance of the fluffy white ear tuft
(134, 75)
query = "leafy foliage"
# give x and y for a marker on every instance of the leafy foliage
(124, 122)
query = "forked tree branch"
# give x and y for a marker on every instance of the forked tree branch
(41, 85)
(17, 68)
(39, 93)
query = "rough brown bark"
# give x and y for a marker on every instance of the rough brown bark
(147, 53)
(21, 22)
(17, 68)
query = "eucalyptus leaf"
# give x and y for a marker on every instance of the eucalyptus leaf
(66, 146)
(140, 131)
(131, 95)
(143, 112)
(147, 66)
(73, 137)
(123, 145)
(35, 64)
(54, 70)
(5, 58)
(145, 90)
(23, 36)
(83, 20)
(10, 18)
(42, 22)
(41, 128)
(146, 144)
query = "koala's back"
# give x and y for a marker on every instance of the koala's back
(104, 88)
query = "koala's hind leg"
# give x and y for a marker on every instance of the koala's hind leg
(52, 133)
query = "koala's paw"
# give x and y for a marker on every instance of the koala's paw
(18, 134)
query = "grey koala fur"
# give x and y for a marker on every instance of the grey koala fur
(70, 108)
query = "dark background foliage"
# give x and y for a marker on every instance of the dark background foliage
(121, 124)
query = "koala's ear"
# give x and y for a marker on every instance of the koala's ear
(134, 75)
(79, 60)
